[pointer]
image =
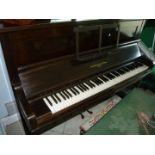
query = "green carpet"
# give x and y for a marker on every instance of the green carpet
(153, 71)
(122, 119)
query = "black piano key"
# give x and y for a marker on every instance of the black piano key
(49, 101)
(86, 85)
(80, 88)
(57, 97)
(73, 91)
(76, 90)
(130, 67)
(103, 78)
(112, 74)
(125, 68)
(86, 88)
(54, 99)
(101, 81)
(120, 71)
(139, 64)
(97, 81)
(115, 73)
(83, 87)
(136, 65)
(133, 66)
(90, 84)
(62, 96)
(106, 77)
(109, 76)
(65, 94)
(69, 93)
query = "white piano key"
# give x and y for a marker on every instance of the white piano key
(55, 105)
(93, 91)
(61, 104)
(55, 98)
(49, 105)
(87, 85)
(93, 83)
(80, 91)
(105, 77)
(71, 92)
(100, 79)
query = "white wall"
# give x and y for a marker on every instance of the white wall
(6, 94)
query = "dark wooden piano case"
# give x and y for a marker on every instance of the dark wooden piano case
(42, 58)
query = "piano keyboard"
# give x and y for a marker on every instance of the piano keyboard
(85, 89)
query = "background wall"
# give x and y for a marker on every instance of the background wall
(6, 94)
(148, 34)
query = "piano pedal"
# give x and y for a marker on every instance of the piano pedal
(82, 116)
(90, 112)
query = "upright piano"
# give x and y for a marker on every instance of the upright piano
(58, 70)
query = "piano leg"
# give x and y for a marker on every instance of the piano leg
(82, 116)
(90, 112)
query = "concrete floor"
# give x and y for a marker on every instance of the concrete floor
(70, 127)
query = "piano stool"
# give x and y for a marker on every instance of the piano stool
(122, 119)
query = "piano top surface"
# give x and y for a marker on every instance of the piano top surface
(45, 76)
